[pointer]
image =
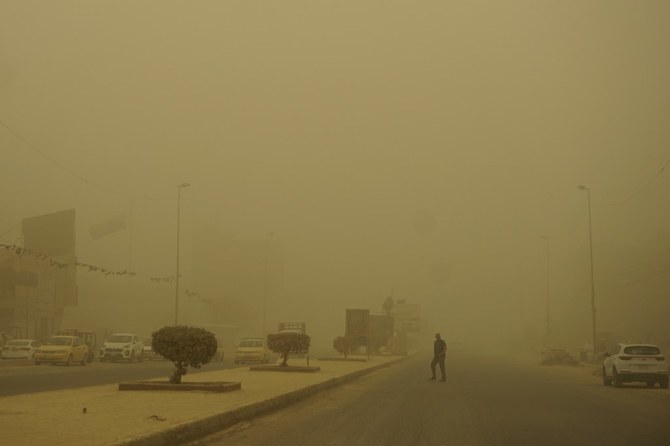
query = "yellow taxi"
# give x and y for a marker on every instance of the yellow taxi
(62, 349)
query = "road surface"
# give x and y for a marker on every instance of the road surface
(486, 401)
(15, 380)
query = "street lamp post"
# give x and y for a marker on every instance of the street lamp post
(593, 290)
(547, 317)
(265, 283)
(176, 290)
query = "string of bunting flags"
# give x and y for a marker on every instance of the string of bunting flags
(21, 251)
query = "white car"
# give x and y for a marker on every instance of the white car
(20, 349)
(252, 350)
(122, 346)
(635, 363)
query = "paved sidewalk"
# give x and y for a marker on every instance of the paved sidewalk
(147, 418)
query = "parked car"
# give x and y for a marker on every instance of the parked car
(62, 349)
(122, 346)
(635, 363)
(252, 350)
(557, 356)
(88, 336)
(20, 349)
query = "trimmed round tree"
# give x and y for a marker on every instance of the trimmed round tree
(286, 343)
(185, 346)
(343, 344)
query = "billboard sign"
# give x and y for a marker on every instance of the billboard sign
(407, 317)
(358, 326)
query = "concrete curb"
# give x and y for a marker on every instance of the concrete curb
(288, 369)
(201, 428)
(219, 386)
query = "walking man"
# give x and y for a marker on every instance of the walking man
(440, 351)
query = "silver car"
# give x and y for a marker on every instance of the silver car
(635, 363)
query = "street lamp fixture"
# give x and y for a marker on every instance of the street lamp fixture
(593, 290)
(176, 298)
(265, 283)
(547, 320)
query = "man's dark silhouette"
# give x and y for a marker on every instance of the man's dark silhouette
(440, 351)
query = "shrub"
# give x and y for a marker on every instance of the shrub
(343, 344)
(287, 343)
(185, 347)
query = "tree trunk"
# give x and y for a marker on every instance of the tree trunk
(180, 369)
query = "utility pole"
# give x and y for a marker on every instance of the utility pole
(176, 298)
(547, 295)
(593, 290)
(265, 283)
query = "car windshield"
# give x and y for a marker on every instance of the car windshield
(251, 343)
(120, 338)
(59, 341)
(18, 342)
(642, 350)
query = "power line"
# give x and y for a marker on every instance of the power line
(72, 172)
(643, 188)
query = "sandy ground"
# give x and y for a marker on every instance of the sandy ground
(103, 415)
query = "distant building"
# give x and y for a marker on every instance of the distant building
(406, 316)
(39, 279)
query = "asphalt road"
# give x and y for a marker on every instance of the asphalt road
(486, 401)
(18, 379)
